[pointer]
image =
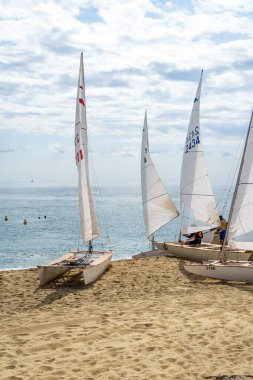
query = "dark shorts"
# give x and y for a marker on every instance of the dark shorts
(194, 242)
(222, 235)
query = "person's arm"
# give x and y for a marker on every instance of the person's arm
(223, 225)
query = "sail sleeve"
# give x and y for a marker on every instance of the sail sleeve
(158, 207)
(197, 202)
(88, 220)
(240, 231)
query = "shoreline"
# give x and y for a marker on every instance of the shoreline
(28, 268)
(143, 319)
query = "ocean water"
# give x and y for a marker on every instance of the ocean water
(53, 229)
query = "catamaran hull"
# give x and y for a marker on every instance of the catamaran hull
(91, 271)
(53, 270)
(231, 271)
(203, 252)
(95, 270)
(48, 273)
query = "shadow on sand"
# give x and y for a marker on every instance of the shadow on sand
(71, 282)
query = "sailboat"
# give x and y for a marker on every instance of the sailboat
(158, 207)
(197, 203)
(239, 233)
(92, 263)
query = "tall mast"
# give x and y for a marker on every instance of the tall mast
(153, 243)
(223, 255)
(90, 246)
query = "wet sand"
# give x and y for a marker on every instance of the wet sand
(144, 319)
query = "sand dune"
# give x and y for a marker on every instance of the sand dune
(144, 319)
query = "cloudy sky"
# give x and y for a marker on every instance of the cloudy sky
(138, 54)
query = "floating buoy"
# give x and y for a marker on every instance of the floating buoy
(39, 217)
(45, 216)
(6, 218)
(25, 221)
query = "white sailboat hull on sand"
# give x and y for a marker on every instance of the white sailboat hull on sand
(239, 226)
(95, 266)
(205, 251)
(230, 271)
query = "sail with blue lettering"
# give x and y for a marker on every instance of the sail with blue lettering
(197, 202)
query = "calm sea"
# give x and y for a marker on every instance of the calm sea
(52, 227)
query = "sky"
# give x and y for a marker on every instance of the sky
(138, 54)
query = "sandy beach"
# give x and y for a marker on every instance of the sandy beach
(144, 319)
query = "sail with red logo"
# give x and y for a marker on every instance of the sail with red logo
(88, 220)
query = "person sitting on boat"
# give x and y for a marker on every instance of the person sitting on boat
(196, 238)
(222, 228)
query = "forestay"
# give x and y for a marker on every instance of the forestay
(240, 231)
(89, 225)
(158, 208)
(198, 206)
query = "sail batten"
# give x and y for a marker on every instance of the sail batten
(198, 195)
(88, 220)
(197, 203)
(151, 199)
(158, 207)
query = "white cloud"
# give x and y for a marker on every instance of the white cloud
(227, 154)
(10, 149)
(7, 149)
(220, 6)
(125, 153)
(57, 148)
(138, 54)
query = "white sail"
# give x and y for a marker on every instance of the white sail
(198, 206)
(158, 208)
(240, 231)
(88, 220)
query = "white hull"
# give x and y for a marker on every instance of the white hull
(98, 263)
(97, 267)
(203, 252)
(230, 271)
